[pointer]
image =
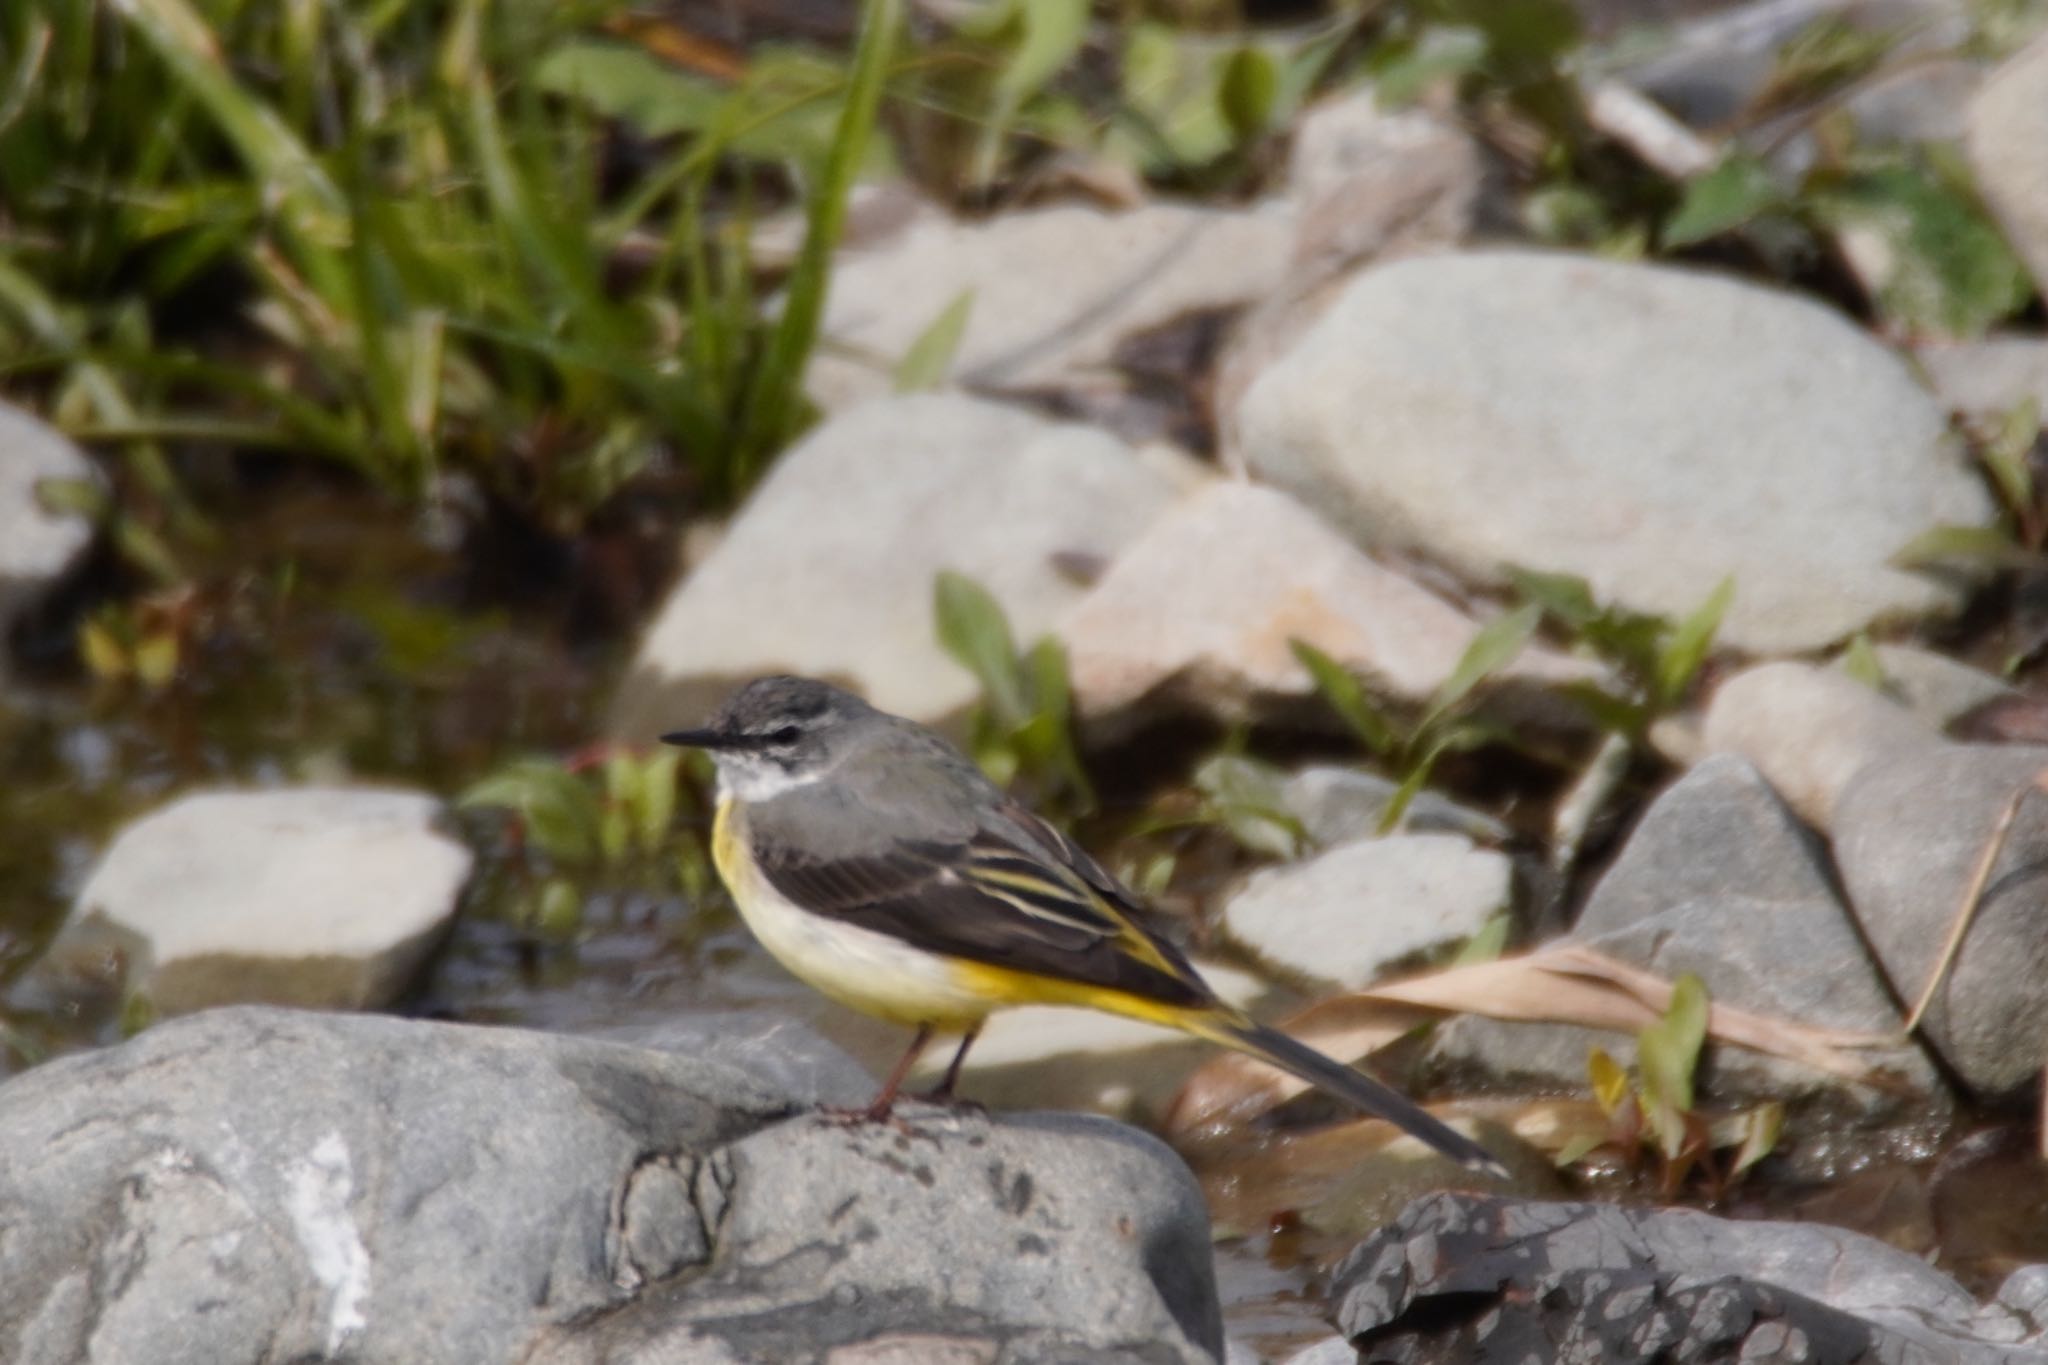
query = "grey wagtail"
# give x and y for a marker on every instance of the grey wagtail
(878, 864)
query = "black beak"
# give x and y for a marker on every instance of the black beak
(704, 739)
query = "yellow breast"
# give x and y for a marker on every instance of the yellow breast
(862, 969)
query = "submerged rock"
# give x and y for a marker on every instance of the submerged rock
(259, 1184)
(1650, 429)
(1464, 1277)
(828, 569)
(323, 897)
(37, 546)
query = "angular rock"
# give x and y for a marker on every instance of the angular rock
(1199, 613)
(254, 1184)
(37, 546)
(828, 569)
(1466, 1277)
(323, 897)
(1809, 731)
(1719, 879)
(2009, 154)
(1909, 830)
(1650, 429)
(1343, 917)
(1336, 805)
(1935, 689)
(1054, 290)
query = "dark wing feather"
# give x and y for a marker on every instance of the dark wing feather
(1015, 893)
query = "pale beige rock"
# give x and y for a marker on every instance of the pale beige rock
(2008, 147)
(37, 545)
(1650, 429)
(1054, 290)
(324, 898)
(1809, 731)
(1984, 380)
(828, 568)
(1201, 608)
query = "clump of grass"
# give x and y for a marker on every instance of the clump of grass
(363, 234)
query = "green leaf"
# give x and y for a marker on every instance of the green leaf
(1678, 662)
(2006, 455)
(1948, 268)
(632, 85)
(1667, 1055)
(654, 805)
(1346, 696)
(1497, 645)
(1860, 662)
(1940, 546)
(1565, 596)
(1250, 87)
(1737, 191)
(1404, 72)
(1755, 1135)
(1053, 32)
(1048, 737)
(1487, 944)
(558, 912)
(559, 810)
(1609, 1080)
(930, 358)
(1248, 797)
(973, 628)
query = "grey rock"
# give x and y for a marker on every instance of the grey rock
(784, 1054)
(37, 546)
(1985, 379)
(1809, 730)
(1200, 610)
(828, 569)
(1336, 805)
(1465, 1277)
(254, 1184)
(2009, 154)
(1908, 833)
(1345, 916)
(1651, 429)
(1935, 689)
(1054, 291)
(1059, 1237)
(1720, 879)
(323, 897)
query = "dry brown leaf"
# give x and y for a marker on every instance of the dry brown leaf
(1567, 984)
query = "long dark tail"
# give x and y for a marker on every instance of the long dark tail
(1354, 1087)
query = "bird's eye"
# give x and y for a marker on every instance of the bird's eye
(786, 735)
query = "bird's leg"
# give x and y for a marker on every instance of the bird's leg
(944, 1093)
(885, 1099)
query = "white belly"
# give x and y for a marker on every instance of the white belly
(862, 969)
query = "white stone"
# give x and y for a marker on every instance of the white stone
(37, 546)
(1343, 917)
(1984, 380)
(1809, 731)
(1054, 290)
(828, 568)
(323, 897)
(1203, 606)
(1650, 429)
(1934, 688)
(2008, 146)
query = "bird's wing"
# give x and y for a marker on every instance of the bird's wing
(1012, 892)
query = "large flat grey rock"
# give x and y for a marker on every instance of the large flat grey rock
(828, 568)
(1650, 429)
(322, 897)
(257, 1185)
